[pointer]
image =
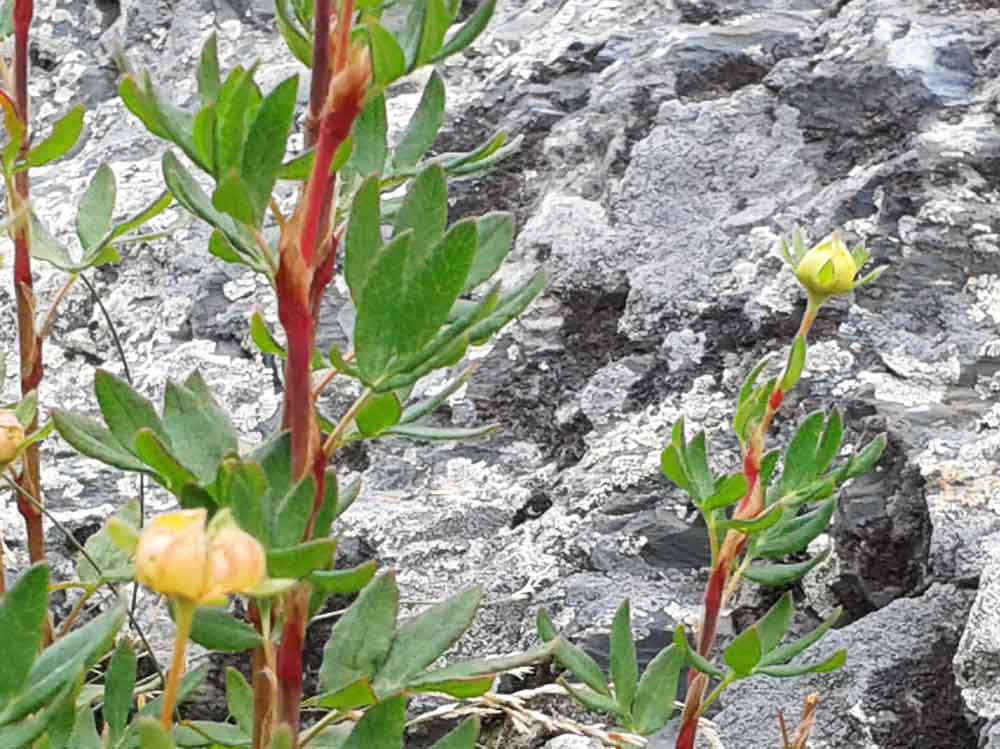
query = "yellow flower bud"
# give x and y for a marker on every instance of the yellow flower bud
(828, 268)
(11, 436)
(179, 556)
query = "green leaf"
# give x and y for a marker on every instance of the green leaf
(344, 582)
(773, 626)
(232, 198)
(302, 559)
(582, 666)
(785, 653)
(91, 438)
(113, 562)
(435, 24)
(408, 297)
(217, 629)
(298, 43)
(770, 517)
(363, 240)
(796, 534)
(261, 335)
(425, 212)
(422, 130)
(299, 168)
(118, 685)
(199, 429)
(293, 512)
(265, 146)
(381, 726)
(511, 306)
(144, 216)
(22, 613)
(370, 136)
(496, 237)
(654, 700)
(189, 683)
(360, 640)
(473, 678)
(778, 575)
(282, 738)
(23, 733)
(672, 466)
(84, 735)
(696, 460)
(65, 132)
(236, 107)
(865, 460)
(692, 656)
(243, 487)
(125, 411)
(801, 465)
(829, 442)
(86, 644)
(463, 737)
(832, 663)
(211, 735)
(93, 218)
(157, 456)
(209, 80)
(624, 666)
(469, 32)
(192, 198)
(152, 735)
(728, 490)
(546, 629)
(796, 363)
(744, 653)
(388, 60)
(381, 412)
(354, 696)
(424, 638)
(751, 410)
(751, 380)
(595, 701)
(423, 433)
(46, 248)
(239, 699)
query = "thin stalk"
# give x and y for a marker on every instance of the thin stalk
(75, 613)
(717, 692)
(334, 716)
(128, 376)
(50, 316)
(184, 619)
(333, 440)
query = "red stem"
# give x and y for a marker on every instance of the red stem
(30, 345)
(289, 664)
(320, 86)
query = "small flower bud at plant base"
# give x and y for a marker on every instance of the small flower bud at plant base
(179, 556)
(828, 269)
(11, 436)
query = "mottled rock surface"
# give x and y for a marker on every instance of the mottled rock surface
(668, 144)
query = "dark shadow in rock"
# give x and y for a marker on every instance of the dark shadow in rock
(881, 534)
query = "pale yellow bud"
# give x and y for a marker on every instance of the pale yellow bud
(828, 268)
(11, 436)
(179, 556)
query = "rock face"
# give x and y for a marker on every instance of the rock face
(668, 144)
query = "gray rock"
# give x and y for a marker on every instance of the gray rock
(896, 690)
(667, 146)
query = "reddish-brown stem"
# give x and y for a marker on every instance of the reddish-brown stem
(30, 346)
(289, 665)
(261, 685)
(320, 86)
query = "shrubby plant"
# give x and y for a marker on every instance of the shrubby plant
(256, 521)
(754, 518)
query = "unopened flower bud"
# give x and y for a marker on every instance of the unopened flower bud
(11, 436)
(179, 556)
(828, 268)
